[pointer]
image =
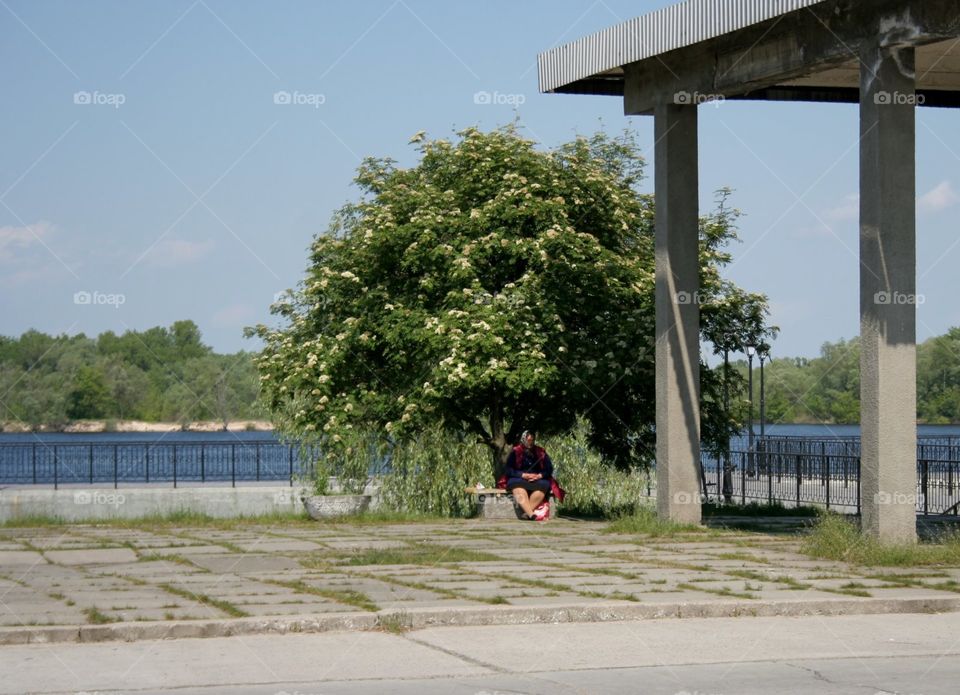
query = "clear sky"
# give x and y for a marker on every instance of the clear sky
(146, 162)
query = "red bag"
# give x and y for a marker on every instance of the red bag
(556, 490)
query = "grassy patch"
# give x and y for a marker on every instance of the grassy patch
(33, 521)
(384, 517)
(357, 599)
(948, 585)
(169, 557)
(224, 606)
(97, 617)
(420, 554)
(757, 509)
(849, 589)
(790, 582)
(179, 518)
(395, 623)
(722, 591)
(645, 521)
(836, 538)
(423, 586)
(602, 571)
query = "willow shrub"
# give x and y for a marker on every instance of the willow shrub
(428, 475)
(593, 487)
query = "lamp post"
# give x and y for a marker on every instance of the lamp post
(727, 469)
(763, 352)
(751, 351)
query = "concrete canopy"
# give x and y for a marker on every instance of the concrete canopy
(796, 50)
(889, 56)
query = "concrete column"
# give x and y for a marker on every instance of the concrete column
(678, 313)
(888, 384)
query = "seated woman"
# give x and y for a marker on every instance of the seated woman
(529, 473)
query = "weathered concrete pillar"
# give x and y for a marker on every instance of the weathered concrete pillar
(888, 385)
(678, 313)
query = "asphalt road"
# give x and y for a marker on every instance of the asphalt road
(917, 654)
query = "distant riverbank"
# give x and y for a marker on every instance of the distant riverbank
(96, 426)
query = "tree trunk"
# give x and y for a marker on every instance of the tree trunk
(499, 445)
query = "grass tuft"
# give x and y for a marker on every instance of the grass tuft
(97, 617)
(644, 520)
(836, 538)
(353, 598)
(225, 606)
(395, 623)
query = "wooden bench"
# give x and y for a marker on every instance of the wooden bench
(494, 503)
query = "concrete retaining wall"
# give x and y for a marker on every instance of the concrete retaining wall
(90, 503)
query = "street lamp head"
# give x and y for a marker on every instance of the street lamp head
(751, 350)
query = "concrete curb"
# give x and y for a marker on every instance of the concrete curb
(471, 616)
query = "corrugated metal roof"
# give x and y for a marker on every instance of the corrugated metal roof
(672, 27)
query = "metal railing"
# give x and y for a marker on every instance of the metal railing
(797, 471)
(116, 463)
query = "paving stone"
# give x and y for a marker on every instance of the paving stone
(189, 551)
(10, 545)
(364, 544)
(297, 609)
(235, 563)
(551, 601)
(92, 556)
(20, 558)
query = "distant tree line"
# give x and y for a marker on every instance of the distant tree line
(169, 375)
(159, 375)
(827, 388)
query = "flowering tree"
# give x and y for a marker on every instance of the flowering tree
(491, 288)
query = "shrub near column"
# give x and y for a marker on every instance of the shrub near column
(339, 478)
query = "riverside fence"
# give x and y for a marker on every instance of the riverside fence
(116, 463)
(804, 470)
(786, 469)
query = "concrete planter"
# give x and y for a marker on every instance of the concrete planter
(333, 506)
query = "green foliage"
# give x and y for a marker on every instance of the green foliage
(938, 378)
(837, 538)
(824, 389)
(491, 288)
(593, 488)
(157, 374)
(428, 474)
(644, 521)
(88, 397)
(429, 471)
(827, 388)
(351, 459)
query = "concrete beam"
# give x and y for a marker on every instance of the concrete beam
(888, 401)
(677, 313)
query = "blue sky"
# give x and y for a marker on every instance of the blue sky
(182, 190)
